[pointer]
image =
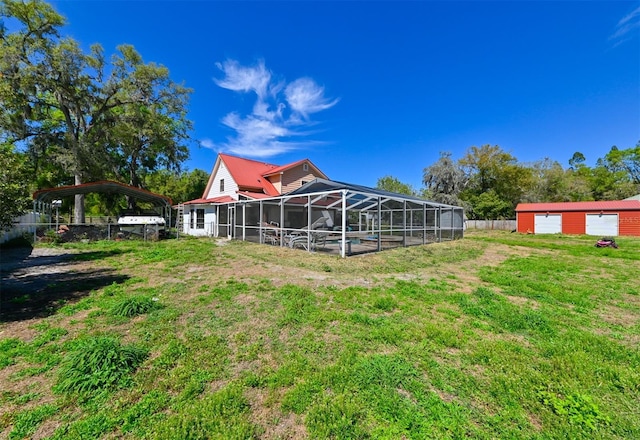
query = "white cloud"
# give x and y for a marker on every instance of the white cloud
(280, 115)
(306, 97)
(244, 79)
(626, 25)
(207, 143)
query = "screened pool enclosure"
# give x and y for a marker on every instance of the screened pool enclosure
(339, 218)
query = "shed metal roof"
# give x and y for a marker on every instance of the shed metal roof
(103, 186)
(611, 205)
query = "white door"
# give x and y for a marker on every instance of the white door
(548, 224)
(602, 224)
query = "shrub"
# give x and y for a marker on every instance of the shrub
(133, 306)
(98, 363)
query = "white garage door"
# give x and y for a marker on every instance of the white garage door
(548, 224)
(602, 224)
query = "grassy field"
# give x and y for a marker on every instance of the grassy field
(497, 335)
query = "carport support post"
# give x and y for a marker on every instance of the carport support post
(424, 223)
(439, 224)
(244, 222)
(309, 222)
(404, 222)
(344, 223)
(35, 226)
(452, 224)
(281, 221)
(261, 213)
(379, 234)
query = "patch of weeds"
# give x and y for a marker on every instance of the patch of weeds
(175, 351)
(300, 397)
(223, 414)
(551, 280)
(49, 335)
(25, 398)
(195, 385)
(385, 303)
(484, 304)
(69, 309)
(229, 289)
(299, 305)
(337, 417)
(423, 292)
(26, 422)
(443, 335)
(134, 305)
(97, 363)
(577, 409)
(93, 426)
(10, 349)
(19, 299)
(137, 416)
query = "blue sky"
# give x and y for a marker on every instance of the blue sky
(368, 89)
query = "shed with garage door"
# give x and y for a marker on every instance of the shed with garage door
(605, 218)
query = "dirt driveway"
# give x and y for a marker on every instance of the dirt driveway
(35, 282)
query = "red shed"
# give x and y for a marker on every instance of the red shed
(607, 218)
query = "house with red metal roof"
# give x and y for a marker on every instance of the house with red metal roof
(603, 218)
(235, 178)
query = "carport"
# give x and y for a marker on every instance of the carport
(43, 199)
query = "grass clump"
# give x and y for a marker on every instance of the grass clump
(26, 422)
(578, 409)
(133, 306)
(97, 363)
(220, 415)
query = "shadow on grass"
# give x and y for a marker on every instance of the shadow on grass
(40, 294)
(34, 284)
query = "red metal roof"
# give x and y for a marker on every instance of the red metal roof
(102, 186)
(612, 205)
(284, 168)
(249, 174)
(221, 199)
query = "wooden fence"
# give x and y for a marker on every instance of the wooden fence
(502, 225)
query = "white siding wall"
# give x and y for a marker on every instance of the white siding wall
(230, 186)
(209, 221)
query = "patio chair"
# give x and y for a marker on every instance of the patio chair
(270, 235)
(317, 240)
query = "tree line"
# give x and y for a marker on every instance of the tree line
(70, 116)
(489, 182)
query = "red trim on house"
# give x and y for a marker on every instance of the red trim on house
(221, 199)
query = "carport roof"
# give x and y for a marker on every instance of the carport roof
(103, 186)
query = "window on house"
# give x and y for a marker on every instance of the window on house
(305, 167)
(200, 219)
(221, 185)
(192, 216)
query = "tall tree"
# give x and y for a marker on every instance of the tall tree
(14, 185)
(444, 180)
(65, 104)
(392, 184)
(180, 187)
(625, 160)
(491, 168)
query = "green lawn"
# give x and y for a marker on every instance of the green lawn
(497, 335)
